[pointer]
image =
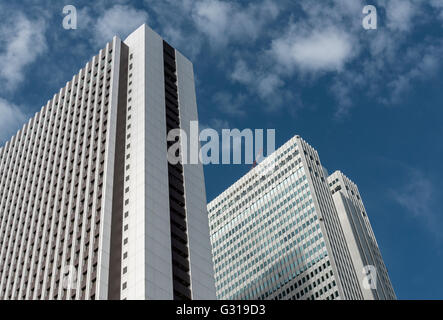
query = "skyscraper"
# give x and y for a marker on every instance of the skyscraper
(276, 234)
(90, 208)
(365, 254)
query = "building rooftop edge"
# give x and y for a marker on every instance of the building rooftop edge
(251, 172)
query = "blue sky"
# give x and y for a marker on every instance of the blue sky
(370, 101)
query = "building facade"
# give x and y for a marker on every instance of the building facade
(89, 206)
(365, 253)
(276, 234)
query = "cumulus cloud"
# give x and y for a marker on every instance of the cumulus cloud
(400, 14)
(118, 20)
(224, 21)
(11, 120)
(425, 68)
(319, 50)
(213, 16)
(218, 22)
(329, 39)
(242, 73)
(22, 41)
(265, 84)
(173, 20)
(268, 84)
(230, 104)
(417, 198)
(316, 42)
(274, 49)
(342, 93)
(188, 43)
(438, 6)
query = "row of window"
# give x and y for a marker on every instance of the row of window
(251, 181)
(40, 266)
(124, 267)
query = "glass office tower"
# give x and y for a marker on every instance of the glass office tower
(276, 234)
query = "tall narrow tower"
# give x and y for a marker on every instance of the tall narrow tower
(89, 206)
(365, 254)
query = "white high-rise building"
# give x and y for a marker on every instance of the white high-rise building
(276, 234)
(90, 208)
(365, 253)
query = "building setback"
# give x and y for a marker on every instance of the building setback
(276, 234)
(89, 206)
(359, 236)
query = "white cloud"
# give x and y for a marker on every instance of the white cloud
(438, 5)
(320, 50)
(416, 195)
(173, 20)
(119, 20)
(22, 41)
(230, 104)
(212, 17)
(188, 24)
(329, 39)
(344, 100)
(223, 21)
(400, 14)
(426, 63)
(11, 120)
(417, 198)
(320, 38)
(320, 41)
(188, 43)
(263, 83)
(242, 73)
(266, 84)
